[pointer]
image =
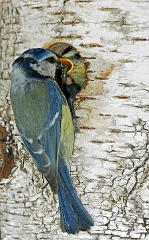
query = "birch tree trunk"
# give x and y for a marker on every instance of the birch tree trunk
(109, 165)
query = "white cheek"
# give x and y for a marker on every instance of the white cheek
(51, 70)
(45, 69)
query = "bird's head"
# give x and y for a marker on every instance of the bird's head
(75, 65)
(37, 61)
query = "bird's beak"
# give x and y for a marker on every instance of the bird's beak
(67, 63)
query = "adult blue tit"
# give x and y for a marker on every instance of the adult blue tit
(44, 122)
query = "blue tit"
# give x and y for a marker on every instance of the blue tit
(76, 71)
(71, 78)
(76, 76)
(45, 124)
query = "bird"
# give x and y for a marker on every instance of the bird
(44, 121)
(76, 76)
(73, 77)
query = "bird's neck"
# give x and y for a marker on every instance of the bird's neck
(24, 77)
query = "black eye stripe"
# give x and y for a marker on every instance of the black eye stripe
(31, 60)
(51, 60)
(77, 56)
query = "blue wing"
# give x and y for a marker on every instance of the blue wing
(44, 148)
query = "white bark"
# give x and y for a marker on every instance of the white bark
(109, 165)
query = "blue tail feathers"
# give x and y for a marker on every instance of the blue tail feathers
(74, 216)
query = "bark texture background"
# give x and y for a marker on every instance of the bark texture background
(109, 165)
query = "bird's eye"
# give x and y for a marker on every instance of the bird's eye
(77, 56)
(31, 60)
(50, 60)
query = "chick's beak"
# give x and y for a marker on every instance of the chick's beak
(66, 62)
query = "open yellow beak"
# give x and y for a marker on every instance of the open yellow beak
(67, 63)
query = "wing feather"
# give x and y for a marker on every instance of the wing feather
(44, 148)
